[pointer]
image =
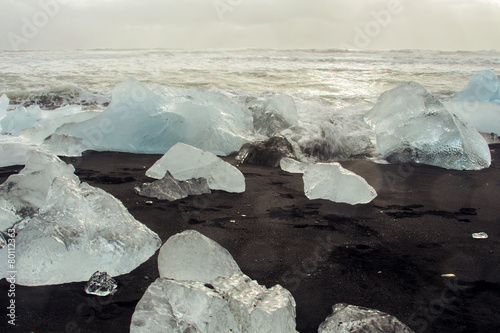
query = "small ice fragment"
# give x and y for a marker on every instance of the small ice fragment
(101, 284)
(448, 276)
(480, 235)
(149, 202)
(232, 221)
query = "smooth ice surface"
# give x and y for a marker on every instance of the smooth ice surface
(414, 126)
(230, 304)
(79, 230)
(483, 86)
(293, 166)
(484, 116)
(190, 255)
(151, 119)
(101, 284)
(186, 162)
(332, 182)
(168, 188)
(355, 319)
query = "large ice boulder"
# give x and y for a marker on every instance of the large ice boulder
(169, 188)
(484, 116)
(483, 86)
(332, 182)
(151, 119)
(414, 126)
(192, 256)
(185, 162)
(229, 304)
(67, 230)
(355, 319)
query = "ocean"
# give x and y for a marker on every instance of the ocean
(326, 85)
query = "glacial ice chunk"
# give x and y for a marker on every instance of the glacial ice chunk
(77, 231)
(355, 319)
(414, 126)
(332, 182)
(23, 193)
(229, 304)
(168, 188)
(484, 116)
(293, 166)
(101, 284)
(151, 119)
(14, 150)
(186, 162)
(483, 86)
(190, 255)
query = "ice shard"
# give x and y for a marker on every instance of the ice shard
(332, 182)
(101, 284)
(414, 126)
(185, 162)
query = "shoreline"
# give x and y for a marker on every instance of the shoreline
(388, 255)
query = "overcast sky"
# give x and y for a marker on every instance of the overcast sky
(200, 24)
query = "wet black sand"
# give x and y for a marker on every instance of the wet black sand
(387, 255)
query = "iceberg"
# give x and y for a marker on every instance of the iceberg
(151, 119)
(332, 182)
(483, 86)
(355, 319)
(185, 162)
(168, 188)
(265, 152)
(67, 230)
(484, 116)
(192, 256)
(414, 126)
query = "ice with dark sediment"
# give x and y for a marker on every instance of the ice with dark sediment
(169, 188)
(151, 119)
(414, 126)
(185, 162)
(67, 230)
(265, 152)
(332, 182)
(483, 86)
(202, 289)
(355, 319)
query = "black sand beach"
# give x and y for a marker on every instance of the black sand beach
(388, 255)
